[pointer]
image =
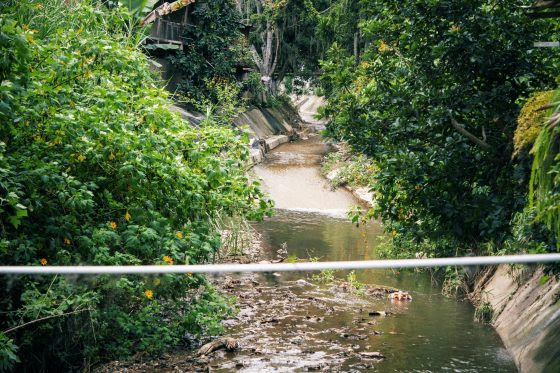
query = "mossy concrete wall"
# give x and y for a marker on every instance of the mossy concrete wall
(526, 305)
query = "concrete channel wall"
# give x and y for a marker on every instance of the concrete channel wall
(268, 127)
(526, 313)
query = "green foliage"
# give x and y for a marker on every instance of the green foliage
(454, 282)
(213, 49)
(96, 169)
(530, 120)
(483, 313)
(254, 86)
(8, 353)
(544, 193)
(544, 279)
(325, 276)
(354, 170)
(426, 64)
(355, 286)
(527, 236)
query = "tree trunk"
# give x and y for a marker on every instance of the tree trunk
(357, 47)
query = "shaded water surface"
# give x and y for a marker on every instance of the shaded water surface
(429, 334)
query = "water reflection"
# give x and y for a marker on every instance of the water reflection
(430, 334)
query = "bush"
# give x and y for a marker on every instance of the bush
(434, 102)
(95, 169)
(484, 313)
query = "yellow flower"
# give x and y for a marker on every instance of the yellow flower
(179, 235)
(417, 187)
(383, 47)
(113, 225)
(455, 28)
(67, 241)
(81, 158)
(149, 294)
(43, 261)
(168, 259)
(394, 232)
(188, 274)
(127, 216)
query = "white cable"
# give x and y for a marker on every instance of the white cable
(278, 267)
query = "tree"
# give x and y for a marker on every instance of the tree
(433, 102)
(213, 49)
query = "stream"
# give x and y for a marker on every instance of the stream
(291, 322)
(288, 322)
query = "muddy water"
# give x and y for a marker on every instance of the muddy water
(289, 322)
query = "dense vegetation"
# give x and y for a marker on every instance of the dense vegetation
(214, 50)
(95, 169)
(433, 99)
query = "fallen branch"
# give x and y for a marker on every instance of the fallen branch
(227, 342)
(164, 9)
(484, 145)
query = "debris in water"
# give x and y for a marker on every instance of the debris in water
(227, 342)
(379, 313)
(400, 295)
(371, 355)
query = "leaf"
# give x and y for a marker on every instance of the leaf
(14, 220)
(544, 279)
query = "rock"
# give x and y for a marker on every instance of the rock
(333, 174)
(371, 355)
(315, 367)
(400, 295)
(377, 313)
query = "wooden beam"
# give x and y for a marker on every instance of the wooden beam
(164, 9)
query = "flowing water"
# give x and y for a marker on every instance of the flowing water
(303, 325)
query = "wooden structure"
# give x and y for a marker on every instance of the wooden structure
(166, 32)
(168, 21)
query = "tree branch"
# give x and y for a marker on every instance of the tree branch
(44, 318)
(470, 136)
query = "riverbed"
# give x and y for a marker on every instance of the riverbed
(329, 328)
(296, 322)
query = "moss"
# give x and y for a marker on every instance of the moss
(483, 313)
(530, 121)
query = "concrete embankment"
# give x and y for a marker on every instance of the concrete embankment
(268, 127)
(526, 313)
